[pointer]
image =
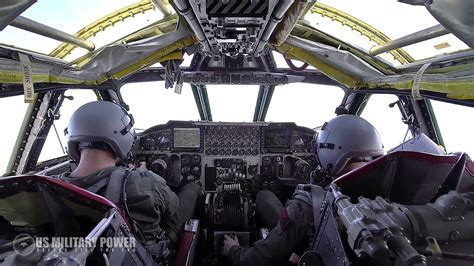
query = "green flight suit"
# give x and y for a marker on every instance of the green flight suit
(292, 233)
(150, 201)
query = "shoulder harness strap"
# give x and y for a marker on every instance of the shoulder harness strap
(115, 185)
(318, 196)
(99, 185)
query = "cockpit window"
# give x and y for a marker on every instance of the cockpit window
(382, 16)
(55, 147)
(280, 61)
(387, 120)
(234, 103)
(307, 105)
(72, 16)
(13, 110)
(151, 104)
(455, 124)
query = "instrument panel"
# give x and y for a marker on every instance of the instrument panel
(254, 155)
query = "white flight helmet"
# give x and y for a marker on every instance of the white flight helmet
(99, 122)
(343, 138)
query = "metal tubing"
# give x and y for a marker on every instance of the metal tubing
(162, 7)
(41, 29)
(416, 37)
(436, 60)
(276, 17)
(186, 11)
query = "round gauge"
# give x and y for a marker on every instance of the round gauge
(196, 159)
(185, 159)
(266, 160)
(253, 170)
(277, 159)
(303, 169)
(196, 170)
(185, 170)
(148, 143)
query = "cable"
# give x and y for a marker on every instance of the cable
(173, 74)
(59, 139)
(295, 68)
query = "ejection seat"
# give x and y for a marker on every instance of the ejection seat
(408, 177)
(45, 206)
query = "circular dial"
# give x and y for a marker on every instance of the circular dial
(148, 143)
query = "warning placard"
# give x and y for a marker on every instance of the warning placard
(28, 87)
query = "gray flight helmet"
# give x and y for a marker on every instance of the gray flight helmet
(343, 138)
(101, 121)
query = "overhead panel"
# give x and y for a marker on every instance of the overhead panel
(233, 27)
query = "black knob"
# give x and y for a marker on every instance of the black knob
(196, 171)
(185, 159)
(196, 159)
(185, 170)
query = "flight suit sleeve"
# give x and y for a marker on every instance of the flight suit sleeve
(291, 235)
(152, 204)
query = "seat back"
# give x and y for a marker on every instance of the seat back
(466, 181)
(187, 244)
(404, 177)
(37, 202)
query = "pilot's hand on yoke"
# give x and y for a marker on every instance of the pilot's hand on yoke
(229, 242)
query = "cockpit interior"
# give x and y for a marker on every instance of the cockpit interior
(231, 95)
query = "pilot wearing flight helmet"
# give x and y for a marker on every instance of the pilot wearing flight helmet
(100, 134)
(343, 144)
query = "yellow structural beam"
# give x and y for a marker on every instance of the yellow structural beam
(158, 28)
(103, 23)
(329, 70)
(309, 33)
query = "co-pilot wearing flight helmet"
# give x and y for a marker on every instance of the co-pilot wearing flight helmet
(101, 133)
(343, 144)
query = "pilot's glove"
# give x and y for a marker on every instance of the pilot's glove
(229, 242)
